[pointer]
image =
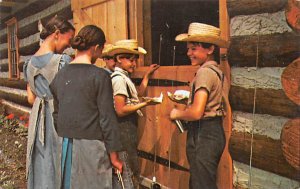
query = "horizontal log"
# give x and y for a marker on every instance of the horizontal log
(16, 109)
(4, 53)
(4, 67)
(23, 11)
(16, 84)
(21, 59)
(268, 101)
(263, 124)
(27, 46)
(5, 10)
(32, 27)
(3, 46)
(5, 75)
(259, 178)
(28, 22)
(274, 50)
(247, 7)
(35, 38)
(266, 154)
(14, 95)
(29, 49)
(263, 78)
(260, 23)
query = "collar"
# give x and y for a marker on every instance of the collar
(121, 71)
(209, 63)
(108, 70)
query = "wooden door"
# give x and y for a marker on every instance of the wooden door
(161, 145)
(109, 15)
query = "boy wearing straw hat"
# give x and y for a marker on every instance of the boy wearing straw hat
(206, 138)
(110, 63)
(127, 106)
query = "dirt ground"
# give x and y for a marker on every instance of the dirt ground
(12, 157)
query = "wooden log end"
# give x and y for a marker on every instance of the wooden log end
(292, 13)
(290, 142)
(290, 80)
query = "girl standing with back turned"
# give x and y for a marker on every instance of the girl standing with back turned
(84, 116)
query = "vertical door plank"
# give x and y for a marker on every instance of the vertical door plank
(225, 169)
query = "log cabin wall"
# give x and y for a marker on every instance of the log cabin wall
(13, 96)
(260, 35)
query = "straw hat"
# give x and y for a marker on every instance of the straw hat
(199, 32)
(106, 50)
(129, 46)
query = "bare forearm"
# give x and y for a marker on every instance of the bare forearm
(143, 86)
(129, 109)
(194, 111)
(187, 115)
(30, 95)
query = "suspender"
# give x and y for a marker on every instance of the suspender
(221, 77)
(127, 87)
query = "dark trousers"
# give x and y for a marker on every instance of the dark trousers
(205, 145)
(129, 155)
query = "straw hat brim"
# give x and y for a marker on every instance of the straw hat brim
(106, 50)
(202, 38)
(123, 50)
(105, 54)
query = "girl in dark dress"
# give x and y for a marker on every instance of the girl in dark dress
(84, 116)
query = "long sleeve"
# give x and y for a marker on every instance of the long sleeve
(108, 118)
